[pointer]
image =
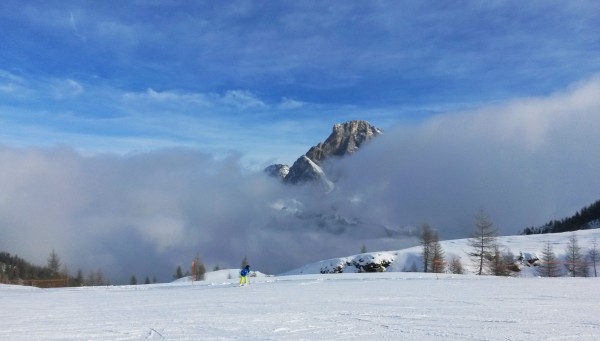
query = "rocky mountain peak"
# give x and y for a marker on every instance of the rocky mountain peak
(345, 139)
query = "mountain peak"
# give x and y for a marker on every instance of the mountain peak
(345, 138)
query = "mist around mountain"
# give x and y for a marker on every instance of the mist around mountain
(523, 162)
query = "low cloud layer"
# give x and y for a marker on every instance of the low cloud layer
(523, 162)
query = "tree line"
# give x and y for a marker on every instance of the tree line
(579, 221)
(491, 258)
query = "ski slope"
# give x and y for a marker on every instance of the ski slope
(378, 306)
(306, 305)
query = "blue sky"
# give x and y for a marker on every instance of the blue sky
(222, 76)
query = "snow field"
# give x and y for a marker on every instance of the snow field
(381, 306)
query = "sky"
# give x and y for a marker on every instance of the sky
(146, 124)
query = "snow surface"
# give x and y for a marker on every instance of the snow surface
(529, 246)
(348, 306)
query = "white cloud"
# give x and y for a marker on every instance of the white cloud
(61, 89)
(525, 162)
(238, 99)
(291, 104)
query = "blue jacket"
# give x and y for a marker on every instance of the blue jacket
(245, 271)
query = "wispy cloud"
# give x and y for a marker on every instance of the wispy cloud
(75, 29)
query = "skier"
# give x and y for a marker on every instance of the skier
(244, 275)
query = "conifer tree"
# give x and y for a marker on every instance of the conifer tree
(426, 240)
(178, 272)
(548, 266)
(438, 262)
(54, 263)
(575, 262)
(498, 263)
(79, 278)
(593, 256)
(198, 269)
(456, 266)
(482, 241)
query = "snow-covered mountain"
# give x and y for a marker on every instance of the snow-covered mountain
(345, 139)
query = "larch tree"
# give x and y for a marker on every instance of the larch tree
(548, 265)
(498, 262)
(438, 262)
(198, 269)
(482, 241)
(456, 266)
(594, 256)
(426, 239)
(575, 261)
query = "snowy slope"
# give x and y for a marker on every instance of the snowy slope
(347, 306)
(380, 306)
(403, 260)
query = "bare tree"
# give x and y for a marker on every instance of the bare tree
(575, 261)
(593, 256)
(456, 266)
(548, 266)
(482, 241)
